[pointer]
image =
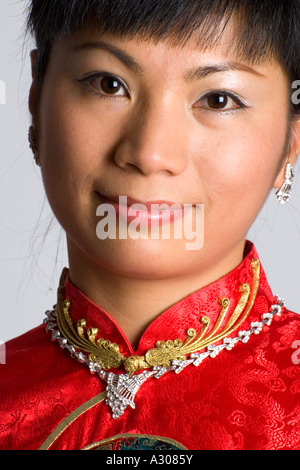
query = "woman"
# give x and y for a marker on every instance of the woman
(166, 333)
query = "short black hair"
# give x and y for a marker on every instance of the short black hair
(264, 28)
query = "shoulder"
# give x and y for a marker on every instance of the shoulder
(32, 344)
(25, 343)
(286, 328)
(31, 359)
(273, 359)
(38, 388)
(285, 335)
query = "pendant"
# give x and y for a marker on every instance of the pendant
(122, 389)
(284, 193)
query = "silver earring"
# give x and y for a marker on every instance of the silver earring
(284, 193)
(33, 146)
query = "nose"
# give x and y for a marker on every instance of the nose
(153, 141)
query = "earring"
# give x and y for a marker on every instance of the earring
(284, 193)
(33, 146)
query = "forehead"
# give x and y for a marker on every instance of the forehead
(194, 58)
(224, 37)
(246, 36)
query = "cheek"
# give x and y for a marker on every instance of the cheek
(64, 154)
(65, 140)
(242, 160)
(76, 132)
(73, 149)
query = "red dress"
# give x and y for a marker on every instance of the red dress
(241, 392)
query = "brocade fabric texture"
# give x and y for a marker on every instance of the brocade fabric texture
(243, 399)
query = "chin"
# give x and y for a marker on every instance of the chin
(143, 259)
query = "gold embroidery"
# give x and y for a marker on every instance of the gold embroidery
(102, 351)
(66, 422)
(135, 363)
(108, 354)
(151, 439)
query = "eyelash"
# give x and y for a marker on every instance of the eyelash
(87, 80)
(241, 105)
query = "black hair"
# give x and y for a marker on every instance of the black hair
(264, 28)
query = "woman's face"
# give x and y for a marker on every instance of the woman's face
(156, 122)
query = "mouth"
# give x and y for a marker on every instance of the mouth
(146, 213)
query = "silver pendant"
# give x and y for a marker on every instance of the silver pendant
(285, 192)
(122, 389)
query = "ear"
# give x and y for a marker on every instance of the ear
(33, 99)
(292, 154)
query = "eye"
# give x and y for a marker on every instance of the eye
(105, 84)
(217, 101)
(221, 101)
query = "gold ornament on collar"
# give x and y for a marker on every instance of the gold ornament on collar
(108, 354)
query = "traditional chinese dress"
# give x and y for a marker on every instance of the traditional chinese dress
(217, 370)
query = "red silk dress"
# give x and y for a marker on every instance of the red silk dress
(242, 397)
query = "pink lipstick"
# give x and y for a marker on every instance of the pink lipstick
(147, 214)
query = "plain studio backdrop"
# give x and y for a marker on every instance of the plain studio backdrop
(33, 249)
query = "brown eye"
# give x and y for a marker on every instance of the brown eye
(217, 101)
(106, 85)
(221, 101)
(110, 85)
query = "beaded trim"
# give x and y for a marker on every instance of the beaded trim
(122, 388)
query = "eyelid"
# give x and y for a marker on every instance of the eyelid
(94, 75)
(238, 99)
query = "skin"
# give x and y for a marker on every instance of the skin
(158, 139)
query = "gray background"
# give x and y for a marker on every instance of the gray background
(30, 262)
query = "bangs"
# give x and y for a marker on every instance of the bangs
(261, 27)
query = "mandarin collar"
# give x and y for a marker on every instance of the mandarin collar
(174, 322)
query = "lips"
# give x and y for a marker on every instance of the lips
(157, 212)
(131, 201)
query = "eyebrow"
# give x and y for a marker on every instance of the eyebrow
(196, 73)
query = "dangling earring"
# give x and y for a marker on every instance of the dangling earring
(284, 193)
(33, 146)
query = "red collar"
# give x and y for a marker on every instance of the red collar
(176, 320)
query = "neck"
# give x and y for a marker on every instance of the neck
(135, 303)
